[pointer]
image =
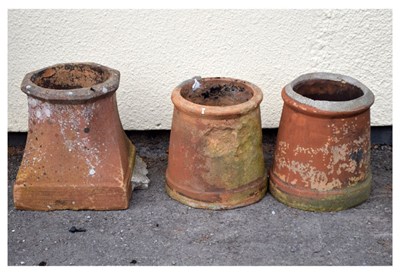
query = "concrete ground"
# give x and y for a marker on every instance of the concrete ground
(157, 230)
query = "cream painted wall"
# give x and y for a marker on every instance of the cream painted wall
(157, 49)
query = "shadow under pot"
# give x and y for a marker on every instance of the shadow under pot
(77, 155)
(215, 156)
(322, 154)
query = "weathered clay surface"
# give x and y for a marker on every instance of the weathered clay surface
(215, 155)
(77, 155)
(322, 158)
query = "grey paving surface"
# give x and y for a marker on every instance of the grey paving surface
(156, 230)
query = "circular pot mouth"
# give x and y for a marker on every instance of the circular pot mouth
(71, 82)
(216, 97)
(327, 93)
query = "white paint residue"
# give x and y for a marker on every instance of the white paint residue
(203, 110)
(47, 112)
(38, 114)
(71, 129)
(32, 102)
(308, 173)
(39, 110)
(361, 139)
(339, 153)
(195, 85)
(311, 151)
(92, 172)
(339, 160)
(282, 147)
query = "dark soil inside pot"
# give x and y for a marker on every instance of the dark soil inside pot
(217, 94)
(328, 90)
(70, 76)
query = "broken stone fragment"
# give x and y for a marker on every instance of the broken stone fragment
(139, 178)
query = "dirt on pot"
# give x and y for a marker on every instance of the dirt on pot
(70, 76)
(217, 95)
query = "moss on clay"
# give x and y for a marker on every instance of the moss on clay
(349, 197)
(235, 152)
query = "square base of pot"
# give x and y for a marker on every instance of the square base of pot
(321, 201)
(49, 196)
(246, 195)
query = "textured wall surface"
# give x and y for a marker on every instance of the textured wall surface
(157, 49)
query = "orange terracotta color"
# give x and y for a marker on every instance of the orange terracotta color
(77, 155)
(322, 155)
(215, 152)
